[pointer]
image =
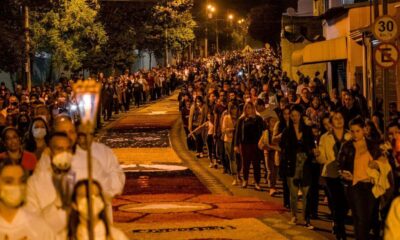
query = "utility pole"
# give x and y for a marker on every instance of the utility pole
(27, 49)
(166, 47)
(385, 79)
(216, 35)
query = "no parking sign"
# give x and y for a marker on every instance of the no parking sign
(386, 55)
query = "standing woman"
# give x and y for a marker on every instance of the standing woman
(355, 158)
(327, 155)
(283, 123)
(228, 129)
(247, 134)
(37, 138)
(78, 216)
(197, 117)
(297, 149)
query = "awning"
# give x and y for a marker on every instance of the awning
(297, 57)
(324, 51)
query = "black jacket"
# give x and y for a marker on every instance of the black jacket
(288, 145)
(244, 137)
(347, 154)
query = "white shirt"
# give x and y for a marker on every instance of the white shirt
(393, 221)
(26, 226)
(41, 193)
(100, 232)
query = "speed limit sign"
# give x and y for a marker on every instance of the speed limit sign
(385, 29)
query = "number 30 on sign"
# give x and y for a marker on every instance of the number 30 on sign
(385, 29)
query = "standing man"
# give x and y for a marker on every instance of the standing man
(137, 91)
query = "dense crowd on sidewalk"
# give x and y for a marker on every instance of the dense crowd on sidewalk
(247, 113)
(43, 156)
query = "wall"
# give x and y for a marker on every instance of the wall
(287, 50)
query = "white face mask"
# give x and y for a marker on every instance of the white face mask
(98, 206)
(62, 161)
(13, 195)
(39, 132)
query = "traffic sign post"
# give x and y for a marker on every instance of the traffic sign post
(386, 55)
(385, 29)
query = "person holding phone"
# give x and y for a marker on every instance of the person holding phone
(355, 157)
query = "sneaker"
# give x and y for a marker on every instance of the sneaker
(211, 165)
(244, 184)
(234, 183)
(309, 226)
(201, 155)
(293, 221)
(257, 187)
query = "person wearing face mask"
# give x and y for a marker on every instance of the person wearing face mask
(15, 222)
(106, 168)
(57, 179)
(77, 227)
(14, 150)
(37, 137)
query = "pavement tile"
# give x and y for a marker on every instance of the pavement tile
(262, 205)
(223, 199)
(157, 197)
(239, 229)
(128, 156)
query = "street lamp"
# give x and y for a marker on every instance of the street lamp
(87, 94)
(210, 10)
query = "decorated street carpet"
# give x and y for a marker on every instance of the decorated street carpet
(163, 199)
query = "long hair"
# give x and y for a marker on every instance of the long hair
(29, 142)
(74, 219)
(302, 124)
(251, 104)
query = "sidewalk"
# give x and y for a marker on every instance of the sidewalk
(189, 212)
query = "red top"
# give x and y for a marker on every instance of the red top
(28, 160)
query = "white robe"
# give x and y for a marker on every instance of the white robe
(99, 233)
(25, 226)
(41, 193)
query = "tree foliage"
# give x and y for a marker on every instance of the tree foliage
(172, 23)
(11, 37)
(69, 31)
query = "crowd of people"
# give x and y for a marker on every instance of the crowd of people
(247, 113)
(43, 156)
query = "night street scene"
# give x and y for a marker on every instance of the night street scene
(199, 120)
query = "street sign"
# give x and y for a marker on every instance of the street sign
(386, 55)
(247, 49)
(385, 29)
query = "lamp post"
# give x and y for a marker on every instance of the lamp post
(87, 95)
(210, 10)
(230, 19)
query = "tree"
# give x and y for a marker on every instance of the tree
(70, 32)
(11, 37)
(171, 25)
(121, 21)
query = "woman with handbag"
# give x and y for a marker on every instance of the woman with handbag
(269, 149)
(297, 147)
